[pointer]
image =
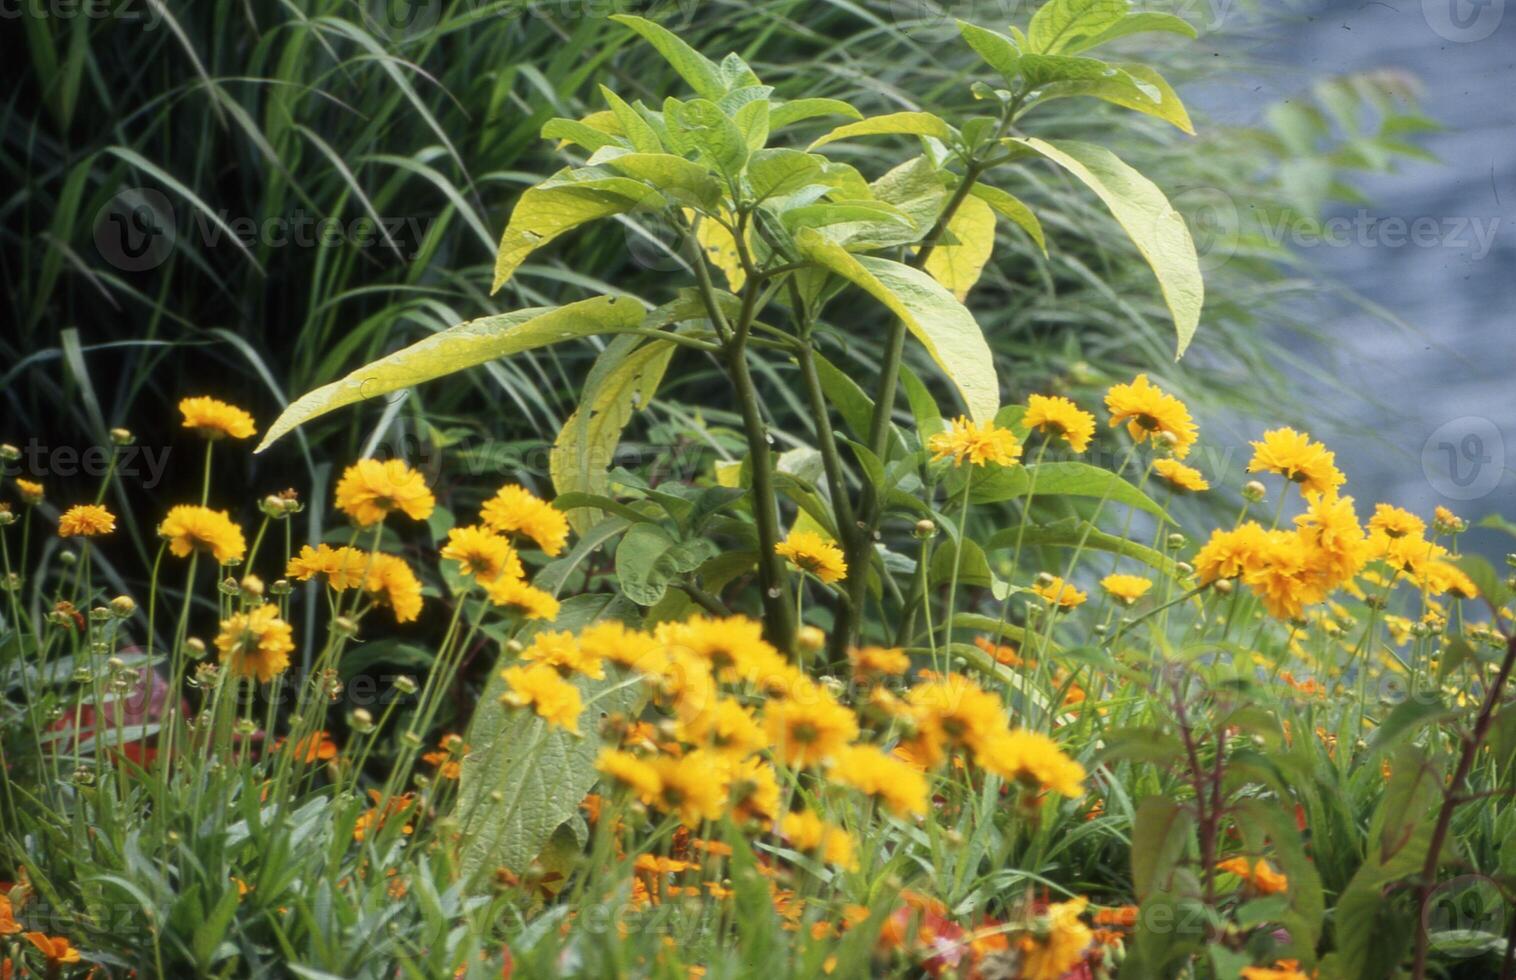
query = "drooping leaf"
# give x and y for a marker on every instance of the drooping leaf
(957, 264)
(1009, 206)
(1149, 219)
(1060, 480)
(559, 205)
(934, 317)
(1136, 87)
(456, 348)
(894, 123)
(798, 110)
(679, 179)
(997, 50)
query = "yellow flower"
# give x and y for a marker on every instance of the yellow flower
(563, 652)
(1336, 547)
(190, 528)
(1440, 577)
(57, 950)
(754, 791)
(809, 833)
(1445, 521)
(629, 771)
(1281, 970)
(868, 661)
(1228, 553)
(396, 586)
(1148, 410)
(1393, 522)
(733, 647)
(1033, 758)
(1058, 416)
(343, 567)
(726, 728)
(900, 787)
(515, 510)
(1127, 588)
(1179, 477)
(30, 492)
(1050, 952)
(955, 712)
(810, 731)
(614, 641)
(693, 787)
(812, 553)
(482, 553)
(371, 489)
(256, 643)
(215, 419)
(1280, 575)
(528, 601)
(1057, 592)
(1260, 875)
(977, 444)
(86, 521)
(539, 687)
(1294, 456)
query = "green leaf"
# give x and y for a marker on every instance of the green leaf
(639, 132)
(905, 123)
(1009, 206)
(1133, 86)
(958, 263)
(702, 74)
(1060, 480)
(459, 347)
(1149, 219)
(560, 205)
(578, 133)
(648, 558)
(1060, 23)
(789, 113)
(752, 121)
(939, 321)
(524, 778)
(1070, 532)
(700, 127)
(819, 215)
(997, 50)
(1160, 832)
(781, 171)
(679, 179)
(624, 379)
(1134, 23)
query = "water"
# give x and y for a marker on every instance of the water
(1428, 415)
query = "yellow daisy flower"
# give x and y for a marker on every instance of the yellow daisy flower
(1393, 522)
(1059, 593)
(539, 687)
(809, 732)
(971, 442)
(870, 661)
(216, 419)
(371, 489)
(1179, 477)
(482, 553)
(563, 652)
(810, 552)
(809, 833)
(726, 728)
(952, 712)
(256, 643)
(620, 644)
(343, 567)
(31, 493)
(1229, 552)
(1032, 758)
(733, 647)
(1336, 547)
(1148, 410)
(1058, 416)
(190, 527)
(900, 787)
(86, 521)
(631, 772)
(516, 510)
(395, 585)
(1127, 588)
(1294, 456)
(523, 598)
(1058, 944)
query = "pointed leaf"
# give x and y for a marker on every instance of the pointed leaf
(702, 74)
(958, 262)
(1134, 23)
(908, 123)
(554, 207)
(1009, 206)
(798, 110)
(1060, 23)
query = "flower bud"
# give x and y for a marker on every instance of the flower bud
(411, 739)
(121, 437)
(810, 639)
(252, 586)
(228, 586)
(123, 606)
(99, 614)
(6, 517)
(1224, 586)
(361, 720)
(406, 684)
(67, 558)
(1175, 541)
(1184, 568)
(195, 646)
(280, 586)
(9, 453)
(925, 528)
(345, 626)
(1253, 491)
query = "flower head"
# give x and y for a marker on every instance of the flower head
(1281, 970)
(394, 584)
(808, 832)
(526, 600)
(256, 643)
(1058, 416)
(978, 444)
(563, 652)
(1281, 575)
(1294, 456)
(631, 772)
(899, 786)
(1260, 875)
(1127, 588)
(55, 949)
(1033, 758)
(871, 661)
(1179, 477)
(482, 553)
(733, 647)
(1148, 411)
(1393, 522)
(614, 641)
(1059, 593)
(1229, 552)
(516, 510)
(1052, 951)
(216, 419)
(810, 731)
(86, 521)
(812, 553)
(371, 489)
(189, 528)
(344, 567)
(539, 687)
(31, 493)
(1336, 547)
(726, 728)
(953, 711)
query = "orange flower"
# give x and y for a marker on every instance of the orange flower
(57, 949)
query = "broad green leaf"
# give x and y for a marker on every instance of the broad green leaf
(904, 123)
(736, 75)
(700, 127)
(1070, 479)
(1060, 23)
(702, 74)
(1134, 23)
(578, 133)
(624, 379)
(1160, 833)
(1009, 206)
(1151, 95)
(798, 110)
(752, 122)
(1070, 533)
(818, 215)
(523, 778)
(681, 180)
(916, 188)
(958, 261)
(777, 172)
(930, 312)
(997, 50)
(554, 207)
(1149, 219)
(643, 137)
(463, 346)
(1047, 69)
